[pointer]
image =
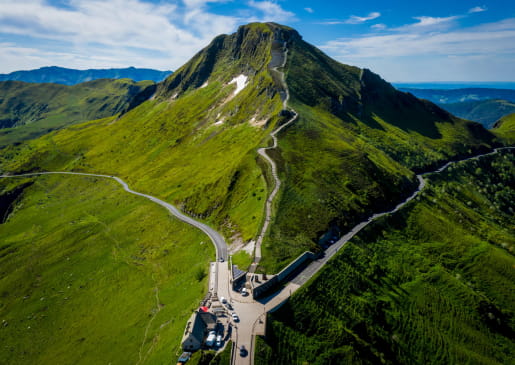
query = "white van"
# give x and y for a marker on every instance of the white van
(210, 340)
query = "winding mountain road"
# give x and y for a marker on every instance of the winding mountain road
(216, 238)
(315, 266)
(252, 314)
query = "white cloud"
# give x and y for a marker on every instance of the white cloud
(108, 33)
(200, 3)
(353, 19)
(426, 21)
(361, 19)
(379, 26)
(477, 9)
(272, 11)
(429, 24)
(309, 10)
(494, 41)
(331, 22)
(486, 39)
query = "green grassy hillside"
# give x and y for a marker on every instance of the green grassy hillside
(29, 110)
(353, 150)
(194, 144)
(486, 112)
(505, 127)
(91, 274)
(431, 284)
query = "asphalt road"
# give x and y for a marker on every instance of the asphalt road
(216, 238)
(316, 265)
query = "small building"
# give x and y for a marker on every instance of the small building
(238, 277)
(209, 320)
(196, 329)
(193, 334)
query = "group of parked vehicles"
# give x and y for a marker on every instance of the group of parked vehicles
(228, 305)
(213, 339)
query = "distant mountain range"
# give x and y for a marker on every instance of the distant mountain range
(448, 96)
(486, 112)
(483, 105)
(67, 76)
(448, 85)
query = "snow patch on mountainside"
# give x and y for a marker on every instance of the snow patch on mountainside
(257, 123)
(241, 82)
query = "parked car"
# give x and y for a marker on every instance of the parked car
(243, 351)
(219, 341)
(210, 340)
(223, 300)
(185, 356)
(244, 292)
(235, 317)
(229, 306)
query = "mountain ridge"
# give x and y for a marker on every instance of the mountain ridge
(480, 104)
(68, 76)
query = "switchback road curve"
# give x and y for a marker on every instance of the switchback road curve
(216, 238)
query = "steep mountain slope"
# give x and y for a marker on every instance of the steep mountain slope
(352, 150)
(430, 284)
(67, 76)
(195, 142)
(30, 110)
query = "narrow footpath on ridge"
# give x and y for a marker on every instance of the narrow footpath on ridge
(279, 57)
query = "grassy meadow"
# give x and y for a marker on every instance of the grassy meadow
(193, 145)
(430, 284)
(29, 110)
(506, 127)
(91, 274)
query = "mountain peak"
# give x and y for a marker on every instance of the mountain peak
(246, 51)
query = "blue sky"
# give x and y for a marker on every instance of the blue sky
(403, 41)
